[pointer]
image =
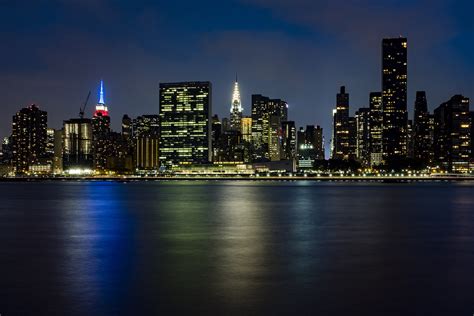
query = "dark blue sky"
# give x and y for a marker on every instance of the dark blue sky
(53, 52)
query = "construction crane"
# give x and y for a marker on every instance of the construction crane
(81, 110)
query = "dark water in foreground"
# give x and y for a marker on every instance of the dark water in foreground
(107, 248)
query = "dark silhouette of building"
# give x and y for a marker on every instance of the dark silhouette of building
(452, 135)
(127, 127)
(185, 123)
(394, 97)
(422, 130)
(310, 144)
(341, 141)
(288, 140)
(29, 138)
(230, 147)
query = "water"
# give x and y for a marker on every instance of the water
(111, 248)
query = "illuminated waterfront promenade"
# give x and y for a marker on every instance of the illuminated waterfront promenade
(354, 178)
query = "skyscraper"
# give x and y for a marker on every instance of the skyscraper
(341, 141)
(146, 133)
(100, 132)
(29, 137)
(127, 127)
(77, 154)
(236, 108)
(362, 117)
(310, 146)
(394, 97)
(288, 140)
(422, 130)
(376, 129)
(246, 129)
(185, 120)
(264, 133)
(452, 137)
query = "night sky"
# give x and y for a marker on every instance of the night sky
(53, 52)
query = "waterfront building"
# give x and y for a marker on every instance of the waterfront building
(362, 117)
(452, 135)
(310, 146)
(77, 154)
(341, 139)
(376, 129)
(185, 123)
(394, 97)
(29, 138)
(146, 137)
(288, 140)
(422, 130)
(266, 113)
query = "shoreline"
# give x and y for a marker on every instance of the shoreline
(385, 179)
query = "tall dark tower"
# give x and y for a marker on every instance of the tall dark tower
(452, 134)
(341, 140)
(394, 97)
(422, 129)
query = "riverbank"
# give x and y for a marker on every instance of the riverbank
(400, 178)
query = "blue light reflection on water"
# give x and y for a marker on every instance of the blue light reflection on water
(235, 247)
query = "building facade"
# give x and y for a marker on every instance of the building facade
(452, 135)
(185, 123)
(77, 153)
(394, 97)
(422, 130)
(267, 114)
(29, 138)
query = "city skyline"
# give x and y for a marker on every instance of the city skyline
(314, 58)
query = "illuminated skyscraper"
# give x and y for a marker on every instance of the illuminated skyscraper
(29, 137)
(185, 120)
(394, 97)
(452, 134)
(376, 129)
(100, 131)
(236, 109)
(77, 155)
(246, 129)
(264, 133)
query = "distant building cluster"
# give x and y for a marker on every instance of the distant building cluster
(187, 137)
(381, 135)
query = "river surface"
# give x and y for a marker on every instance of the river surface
(236, 247)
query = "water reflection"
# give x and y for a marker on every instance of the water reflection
(209, 247)
(97, 240)
(243, 243)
